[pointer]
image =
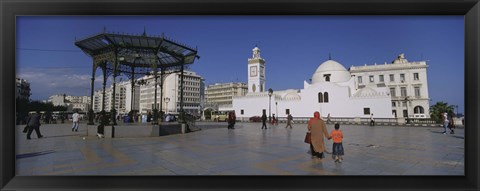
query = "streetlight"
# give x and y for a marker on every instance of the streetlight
(276, 110)
(270, 92)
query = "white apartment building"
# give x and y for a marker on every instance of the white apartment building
(221, 94)
(407, 82)
(81, 103)
(22, 89)
(193, 86)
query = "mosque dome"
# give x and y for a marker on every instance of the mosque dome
(330, 71)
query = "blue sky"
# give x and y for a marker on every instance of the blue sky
(293, 47)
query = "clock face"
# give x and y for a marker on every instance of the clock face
(253, 71)
(261, 71)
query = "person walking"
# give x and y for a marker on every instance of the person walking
(316, 126)
(289, 121)
(264, 120)
(451, 124)
(328, 118)
(372, 121)
(75, 118)
(445, 122)
(231, 120)
(33, 123)
(337, 149)
(274, 120)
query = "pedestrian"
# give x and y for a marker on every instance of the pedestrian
(149, 116)
(289, 121)
(101, 126)
(337, 150)
(274, 120)
(231, 120)
(445, 122)
(328, 118)
(264, 120)
(372, 121)
(75, 119)
(451, 124)
(316, 126)
(33, 123)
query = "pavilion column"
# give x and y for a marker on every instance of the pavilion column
(182, 113)
(113, 111)
(162, 76)
(104, 70)
(90, 111)
(155, 109)
(132, 101)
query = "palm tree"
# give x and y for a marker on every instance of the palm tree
(439, 108)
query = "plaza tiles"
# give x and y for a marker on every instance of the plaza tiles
(246, 150)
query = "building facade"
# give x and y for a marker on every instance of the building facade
(406, 81)
(355, 93)
(222, 95)
(22, 89)
(79, 103)
(193, 86)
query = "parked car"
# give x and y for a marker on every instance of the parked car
(255, 119)
(220, 116)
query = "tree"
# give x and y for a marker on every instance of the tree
(439, 108)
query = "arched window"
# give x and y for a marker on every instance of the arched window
(418, 109)
(320, 97)
(325, 97)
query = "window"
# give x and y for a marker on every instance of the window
(392, 78)
(366, 111)
(418, 109)
(327, 77)
(320, 97)
(417, 91)
(392, 92)
(360, 79)
(415, 76)
(402, 78)
(371, 79)
(287, 111)
(380, 78)
(394, 104)
(325, 97)
(403, 91)
(241, 112)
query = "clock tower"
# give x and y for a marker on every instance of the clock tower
(256, 72)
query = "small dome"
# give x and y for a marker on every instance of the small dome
(330, 71)
(292, 96)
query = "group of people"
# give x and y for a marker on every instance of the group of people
(448, 123)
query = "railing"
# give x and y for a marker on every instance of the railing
(346, 120)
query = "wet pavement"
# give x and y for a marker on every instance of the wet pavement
(246, 150)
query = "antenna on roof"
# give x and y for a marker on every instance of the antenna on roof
(144, 31)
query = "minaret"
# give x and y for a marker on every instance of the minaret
(256, 72)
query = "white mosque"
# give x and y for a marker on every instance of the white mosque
(333, 90)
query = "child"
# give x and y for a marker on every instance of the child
(337, 151)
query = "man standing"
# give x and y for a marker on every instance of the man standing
(75, 118)
(33, 123)
(445, 122)
(264, 120)
(289, 121)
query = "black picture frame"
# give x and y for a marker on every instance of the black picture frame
(9, 9)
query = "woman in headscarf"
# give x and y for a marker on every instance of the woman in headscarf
(318, 131)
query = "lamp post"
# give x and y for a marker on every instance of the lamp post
(270, 92)
(456, 106)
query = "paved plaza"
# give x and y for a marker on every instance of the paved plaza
(246, 150)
